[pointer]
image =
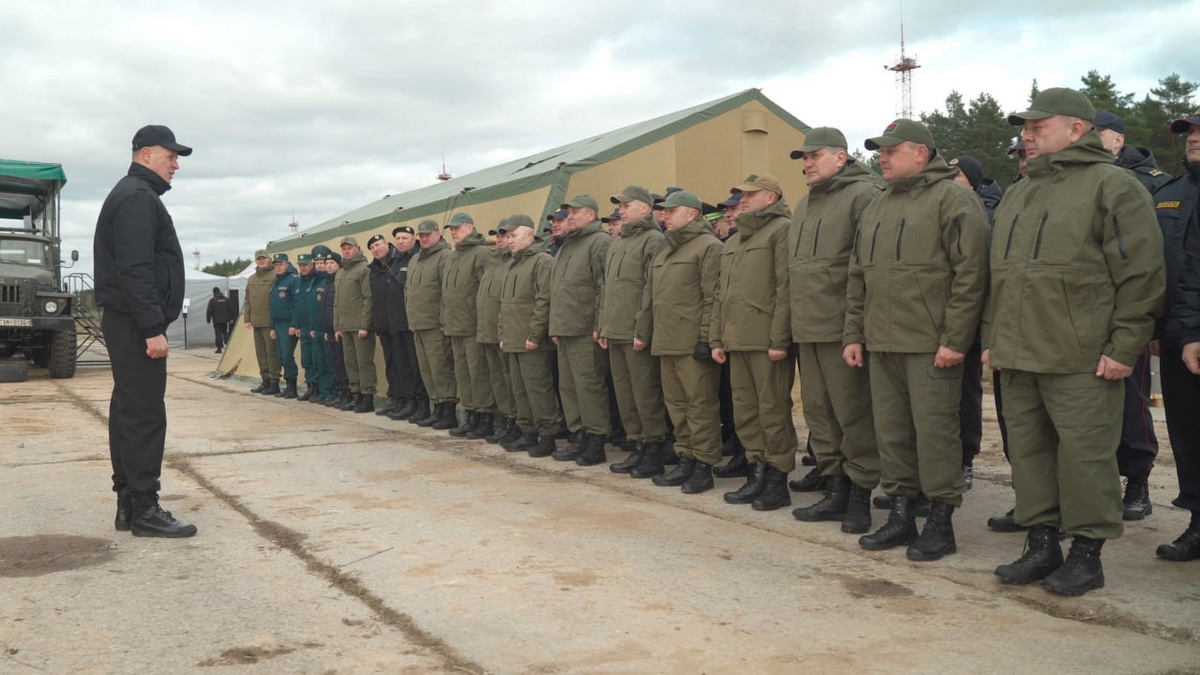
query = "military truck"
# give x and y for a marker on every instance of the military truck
(35, 308)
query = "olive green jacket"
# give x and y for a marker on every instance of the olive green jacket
(256, 309)
(819, 245)
(352, 305)
(423, 288)
(525, 299)
(487, 300)
(625, 298)
(576, 281)
(918, 273)
(751, 309)
(1077, 265)
(466, 267)
(683, 286)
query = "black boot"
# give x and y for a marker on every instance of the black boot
(470, 421)
(545, 447)
(521, 443)
(1081, 571)
(1041, 557)
(512, 435)
(754, 484)
(629, 463)
(574, 448)
(403, 410)
(830, 507)
(309, 390)
(420, 412)
(259, 389)
(937, 539)
(124, 511)
(813, 481)
(271, 389)
(677, 476)
(150, 520)
(435, 413)
(899, 530)
(858, 511)
(348, 400)
(1183, 549)
(730, 447)
(736, 467)
(653, 460)
(290, 392)
(392, 404)
(447, 419)
(483, 427)
(775, 494)
(315, 397)
(1005, 523)
(499, 428)
(701, 479)
(366, 403)
(594, 453)
(1136, 503)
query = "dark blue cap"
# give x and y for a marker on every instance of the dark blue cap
(732, 200)
(615, 215)
(1109, 120)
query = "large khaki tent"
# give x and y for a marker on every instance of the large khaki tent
(706, 149)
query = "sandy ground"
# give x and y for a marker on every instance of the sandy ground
(339, 543)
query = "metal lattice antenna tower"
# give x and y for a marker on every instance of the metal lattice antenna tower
(294, 225)
(197, 254)
(903, 69)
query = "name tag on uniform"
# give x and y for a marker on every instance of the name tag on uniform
(1169, 205)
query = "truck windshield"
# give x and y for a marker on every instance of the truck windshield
(24, 252)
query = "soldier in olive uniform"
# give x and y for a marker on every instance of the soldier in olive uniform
(1077, 282)
(256, 315)
(423, 300)
(487, 334)
(626, 329)
(750, 329)
(283, 303)
(469, 261)
(574, 306)
(352, 318)
(836, 397)
(683, 287)
(918, 278)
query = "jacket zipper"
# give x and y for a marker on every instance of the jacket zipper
(620, 264)
(566, 266)
(1011, 228)
(1120, 239)
(799, 238)
(1037, 248)
(816, 237)
(900, 237)
(874, 238)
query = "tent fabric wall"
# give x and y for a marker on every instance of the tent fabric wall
(706, 148)
(198, 289)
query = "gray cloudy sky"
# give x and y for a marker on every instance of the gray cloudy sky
(320, 107)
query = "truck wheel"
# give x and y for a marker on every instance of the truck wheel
(14, 371)
(62, 354)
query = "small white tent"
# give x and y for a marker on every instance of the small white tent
(190, 327)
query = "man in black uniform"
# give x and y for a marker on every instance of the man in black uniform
(221, 315)
(385, 311)
(339, 395)
(139, 284)
(409, 369)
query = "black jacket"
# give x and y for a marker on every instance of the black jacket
(1177, 205)
(138, 260)
(388, 313)
(1143, 166)
(991, 194)
(220, 310)
(327, 297)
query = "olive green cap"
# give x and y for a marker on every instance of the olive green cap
(348, 240)
(427, 226)
(499, 228)
(1056, 101)
(582, 202)
(261, 253)
(513, 222)
(459, 219)
(633, 193)
(820, 137)
(900, 131)
(680, 198)
(756, 182)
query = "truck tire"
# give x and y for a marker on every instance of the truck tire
(62, 354)
(16, 370)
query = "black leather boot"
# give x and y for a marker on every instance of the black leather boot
(392, 403)
(1041, 557)
(899, 530)
(755, 481)
(348, 400)
(365, 404)
(593, 453)
(701, 479)
(435, 413)
(813, 481)
(512, 435)
(1183, 549)
(271, 389)
(677, 476)
(545, 446)
(316, 393)
(1136, 502)
(858, 511)
(290, 392)
(483, 427)
(150, 520)
(124, 511)
(652, 463)
(629, 463)
(403, 409)
(1005, 523)
(574, 448)
(830, 507)
(309, 390)
(937, 538)
(499, 428)
(775, 493)
(1081, 571)
(420, 411)
(470, 421)
(259, 389)
(446, 419)
(736, 467)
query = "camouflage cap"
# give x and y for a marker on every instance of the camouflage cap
(1056, 101)
(460, 219)
(681, 198)
(427, 226)
(820, 137)
(582, 202)
(756, 182)
(899, 131)
(633, 193)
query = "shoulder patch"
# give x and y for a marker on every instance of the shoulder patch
(1169, 205)
(1156, 172)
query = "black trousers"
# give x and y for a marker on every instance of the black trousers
(409, 369)
(970, 405)
(389, 344)
(1181, 397)
(998, 394)
(1139, 444)
(137, 412)
(337, 362)
(220, 334)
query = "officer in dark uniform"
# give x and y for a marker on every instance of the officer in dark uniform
(221, 315)
(412, 389)
(283, 301)
(339, 395)
(300, 322)
(320, 378)
(384, 307)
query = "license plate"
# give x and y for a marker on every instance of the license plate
(16, 323)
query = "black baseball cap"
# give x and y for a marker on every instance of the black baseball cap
(157, 134)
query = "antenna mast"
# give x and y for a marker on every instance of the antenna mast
(903, 69)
